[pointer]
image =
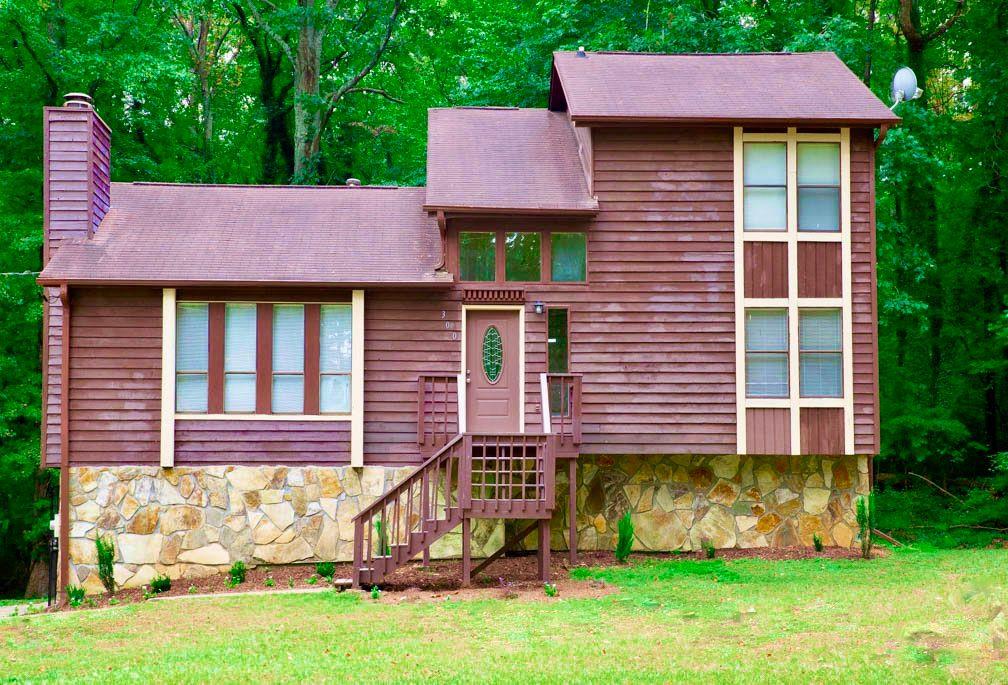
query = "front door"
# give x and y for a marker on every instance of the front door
(492, 371)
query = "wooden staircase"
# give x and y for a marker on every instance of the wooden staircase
(472, 476)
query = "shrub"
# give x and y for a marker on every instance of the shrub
(75, 595)
(383, 547)
(375, 592)
(159, 584)
(290, 582)
(313, 580)
(192, 590)
(710, 551)
(550, 589)
(866, 522)
(269, 582)
(325, 569)
(817, 542)
(625, 541)
(237, 573)
(106, 556)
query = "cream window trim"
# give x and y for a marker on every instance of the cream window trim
(168, 378)
(792, 236)
(357, 379)
(322, 418)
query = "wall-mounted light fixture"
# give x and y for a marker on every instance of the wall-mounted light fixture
(539, 306)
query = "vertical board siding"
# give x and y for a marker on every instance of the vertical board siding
(863, 298)
(768, 431)
(820, 270)
(222, 441)
(822, 430)
(115, 376)
(766, 269)
(53, 332)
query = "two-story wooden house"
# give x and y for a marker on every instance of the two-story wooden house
(656, 295)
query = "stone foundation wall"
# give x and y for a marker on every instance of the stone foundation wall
(190, 522)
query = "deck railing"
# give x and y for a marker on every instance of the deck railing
(511, 475)
(563, 397)
(437, 411)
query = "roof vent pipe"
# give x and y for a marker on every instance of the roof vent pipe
(78, 101)
(353, 182)
(581, 51)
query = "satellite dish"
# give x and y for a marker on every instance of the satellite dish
(904, 86)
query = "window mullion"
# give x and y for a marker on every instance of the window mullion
(215, 359)
(311, 358)
(264, 358)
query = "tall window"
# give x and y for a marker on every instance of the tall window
(192, 325)
(764, 204)
(523, 256)
(335, 344)
(557, 343)
(288, 358)
(240, 358)
(818, 186)
(766, 339)
(820, 350)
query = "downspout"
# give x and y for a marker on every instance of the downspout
(883, 130)
(64, 479)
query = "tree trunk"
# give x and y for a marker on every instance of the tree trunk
(307, 108)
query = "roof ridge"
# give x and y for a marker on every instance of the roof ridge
(267, 185)
(631, 53)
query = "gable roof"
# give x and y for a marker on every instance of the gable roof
(504, 159)
(178, 234)
(765, 88)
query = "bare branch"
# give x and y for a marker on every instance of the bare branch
(947, 24)
(270, 31)
(935, 485)
(377, 91)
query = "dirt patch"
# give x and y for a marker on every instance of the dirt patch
(507, 577)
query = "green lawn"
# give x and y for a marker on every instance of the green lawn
(914, 616)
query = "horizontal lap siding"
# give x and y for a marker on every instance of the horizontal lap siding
(265, 441)
(115, 376)
(863, 295)
(54, 365)
(653, 333)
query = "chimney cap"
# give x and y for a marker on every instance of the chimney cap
(80, 100)
(581, 51)
(353, 182)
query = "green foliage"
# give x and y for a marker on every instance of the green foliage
(865, 512)
(326, 569)
(817, 542)
(105, 551)
(237, 573)
(159, 584)
(192, 590)
(269, 582)
(550, 589)
(381, 535)
(75, 595)
(709, 550)
(375, 592)
(625, 538)
(313, 580)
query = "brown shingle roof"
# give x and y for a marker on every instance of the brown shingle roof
(519, 160)
(205, 234)
(767, 88)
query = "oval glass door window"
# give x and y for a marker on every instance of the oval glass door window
(493, 354)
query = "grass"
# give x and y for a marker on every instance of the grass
(922, 616)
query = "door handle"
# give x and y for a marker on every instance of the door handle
(468, 376)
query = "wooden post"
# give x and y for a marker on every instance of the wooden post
(544, 550)
(572, 510)
(466, 552)
(358, 553)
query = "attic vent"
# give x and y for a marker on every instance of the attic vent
(353, 182)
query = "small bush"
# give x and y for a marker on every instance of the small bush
(325, 569)
(710, 551)
(159, 584)
(550, 589)
(817, 542)
(75, 595)
(383, 547)
(866, 522)
(313, 580)
(375, 592)
(192, 590)
(269, 582)
(106, 557)
(237, 573)
(290, 582)
(113, 601)
(625, 541)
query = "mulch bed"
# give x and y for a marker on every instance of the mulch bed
(509, 576)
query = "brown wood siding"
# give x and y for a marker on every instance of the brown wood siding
(264, 441)
(768, 431)
(115, 376)
(53, 340)
(766, 269)
(820, 270)
(863, 296)
(821, 430)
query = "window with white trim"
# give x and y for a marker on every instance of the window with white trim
(820, 353)
(764, 198)
(766, 340)
(288, 359)
(819, 187)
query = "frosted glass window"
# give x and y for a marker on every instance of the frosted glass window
(239, 357)
(568, 257)
(335, 358)
(191, 354)
(818, 186)
(766, 371)
(288, 358)
(820, 346)
(764, 201)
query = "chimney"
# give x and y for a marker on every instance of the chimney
(76, 146)
(353, 182)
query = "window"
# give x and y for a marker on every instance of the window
(766, 339)
(335, 345)
(820, 353)
(568, 257)
(240, 357)
(288, 358)
(556, 336)
(192, 333)
(818, 187)
(522, 256)
(764, 202)
(477, 256)
(493, 354)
